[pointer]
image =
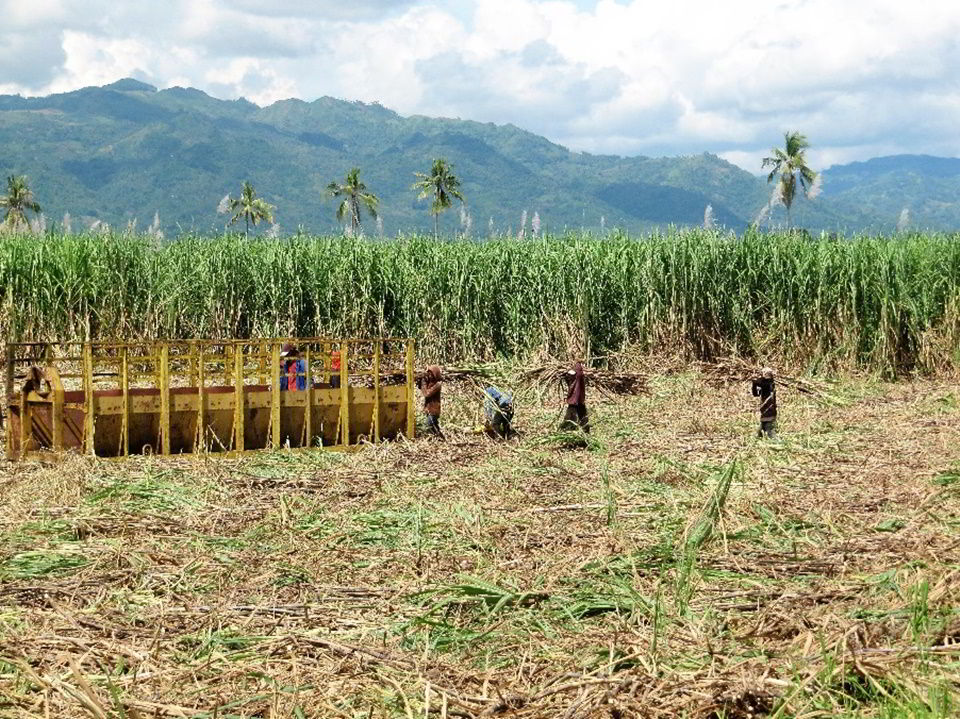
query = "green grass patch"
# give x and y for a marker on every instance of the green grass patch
(154, 492)
(41, 563)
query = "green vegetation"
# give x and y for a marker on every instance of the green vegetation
(441, 186)
(927, 187)
(355, 197)
(678, 568)
(126, 151)
(18, 202)
(885, 305)
(251, 208)
(791, 166)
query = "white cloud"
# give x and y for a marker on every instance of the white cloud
(858, 77)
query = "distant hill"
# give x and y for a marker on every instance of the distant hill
(929, 187)
(124, 151)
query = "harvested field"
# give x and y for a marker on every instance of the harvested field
(673, 566)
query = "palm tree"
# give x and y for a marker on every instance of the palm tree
(18, 201)
(355, 198)
(251, 208)
(442, 185)
(790, 164)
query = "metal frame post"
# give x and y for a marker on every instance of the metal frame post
(164, 398)
(89, 425)
(192, 363)
(262, 366)
(275, 397)
(308, 412)
(26, 425)
(411, 412)
(326, 363)
(201, 435)
(376, 392)
(56, 409)
(8, 399)
(239, 411)
(125, 389)
(344, 395)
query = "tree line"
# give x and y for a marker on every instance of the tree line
(440, 185)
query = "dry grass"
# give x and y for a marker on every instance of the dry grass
(675, 566)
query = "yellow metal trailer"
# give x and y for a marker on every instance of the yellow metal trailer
(118, 399)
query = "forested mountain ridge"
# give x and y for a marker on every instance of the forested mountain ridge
(126, 151)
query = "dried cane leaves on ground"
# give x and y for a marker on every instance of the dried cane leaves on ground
(669, 565)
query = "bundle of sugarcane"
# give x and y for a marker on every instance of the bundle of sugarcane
(604, 380)
(475, 372)
(727, 370)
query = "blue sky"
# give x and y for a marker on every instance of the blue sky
(861, 78)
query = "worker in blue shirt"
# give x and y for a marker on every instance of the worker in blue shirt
(498, 409)
(293, 370)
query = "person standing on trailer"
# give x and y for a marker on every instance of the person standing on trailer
(576, 414)
(335, 368)
(293, 370)
(765, 388)
(430, 386)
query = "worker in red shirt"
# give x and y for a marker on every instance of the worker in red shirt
(431, 384)
(335, 368)
(293, 370)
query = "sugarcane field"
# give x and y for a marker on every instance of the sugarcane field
(575, 476)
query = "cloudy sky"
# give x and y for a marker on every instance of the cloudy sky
(655, 77)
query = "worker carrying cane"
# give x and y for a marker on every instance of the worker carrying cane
(430, 385)
(765, 388)
(575, 417)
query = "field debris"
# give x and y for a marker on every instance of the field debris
(676, 567)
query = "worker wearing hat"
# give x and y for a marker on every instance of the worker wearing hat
(293, 370)
(765, 388)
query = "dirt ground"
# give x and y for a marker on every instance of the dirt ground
(672, 565)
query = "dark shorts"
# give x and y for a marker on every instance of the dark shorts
(500, 427)
(575, 418)
(433, 423)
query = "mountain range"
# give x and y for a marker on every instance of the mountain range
(126, 152)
